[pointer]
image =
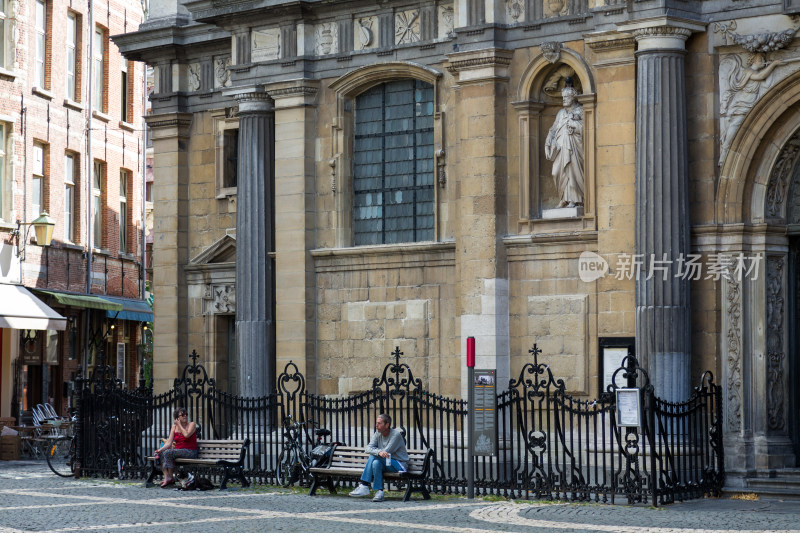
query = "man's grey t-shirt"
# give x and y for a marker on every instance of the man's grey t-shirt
(392, 443)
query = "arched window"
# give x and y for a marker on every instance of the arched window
(393, 163)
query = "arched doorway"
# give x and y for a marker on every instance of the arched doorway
(758, 216)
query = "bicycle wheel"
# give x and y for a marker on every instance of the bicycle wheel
(285, 467)
(60, 454)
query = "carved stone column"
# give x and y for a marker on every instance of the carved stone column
(255, 273)
(663, 312)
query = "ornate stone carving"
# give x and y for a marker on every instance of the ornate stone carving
(780, 176)
(365, 33)
(776, 397)
(758, 43)
(515, 10)
(564, 147)
(265, 44)
(221, 299)
(406, 27)
(194, 77)
(744, 81)
(445, 21)
(551, 51)
(441, 164)
(556, 82)
(734, 353)
(662, 31)
(222, 76)
(793, 207)
(326, 38)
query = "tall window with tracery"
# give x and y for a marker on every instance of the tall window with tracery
(393, 164)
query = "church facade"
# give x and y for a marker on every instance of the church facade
(334, 179)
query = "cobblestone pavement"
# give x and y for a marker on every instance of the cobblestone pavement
(33, 499)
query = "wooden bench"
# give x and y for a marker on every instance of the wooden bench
(227, 454)
(348, 463)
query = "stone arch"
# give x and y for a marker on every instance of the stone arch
(345, 89)
(756, 162)
(534, 76)
(531, 106)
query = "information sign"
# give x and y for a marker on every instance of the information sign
(484, 413)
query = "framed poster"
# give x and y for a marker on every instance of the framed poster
(629, 408)
(612, 351)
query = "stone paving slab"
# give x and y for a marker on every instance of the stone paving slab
(32, 499)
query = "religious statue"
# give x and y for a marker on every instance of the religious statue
(564, 147)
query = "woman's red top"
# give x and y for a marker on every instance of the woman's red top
(185, 443)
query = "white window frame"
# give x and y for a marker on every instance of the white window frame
(69, 197)
(5, 171)
(71, 84)
(97, 204)
(5, 32)
(124, 179)
(38, 177)
(40, 29)
(98, 76)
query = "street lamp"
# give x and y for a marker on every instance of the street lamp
(42, 226)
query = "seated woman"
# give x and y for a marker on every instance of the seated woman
(183, 435)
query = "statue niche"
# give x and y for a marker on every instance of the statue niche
(563, 194)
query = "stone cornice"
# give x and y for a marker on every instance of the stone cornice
(494, 57)
(608, 45)
(170, 120)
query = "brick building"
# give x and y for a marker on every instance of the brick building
(72, 146)
(337, 178)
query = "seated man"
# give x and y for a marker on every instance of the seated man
(387, 451)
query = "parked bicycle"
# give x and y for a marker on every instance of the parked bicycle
(294, 462)
(60, 451)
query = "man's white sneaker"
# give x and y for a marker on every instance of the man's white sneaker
(361, 490)
(378, 496)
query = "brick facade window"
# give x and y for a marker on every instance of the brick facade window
(124, 213)
(98, 183)
(393, 167)
(100, 74)
(70, 179)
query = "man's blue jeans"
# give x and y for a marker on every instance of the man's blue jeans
(376, 466)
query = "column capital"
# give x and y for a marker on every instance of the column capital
(662, 33)
(254, 99)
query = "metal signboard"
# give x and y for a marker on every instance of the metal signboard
(484, 412)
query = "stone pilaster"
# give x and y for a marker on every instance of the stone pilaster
(170, 133)
(482, 172)
(295, 197)
(663, 312)
(255, 271)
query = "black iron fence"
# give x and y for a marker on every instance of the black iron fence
(550, 445)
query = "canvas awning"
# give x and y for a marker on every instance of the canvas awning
(88, 301)
(19, 309)
(132, 309)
